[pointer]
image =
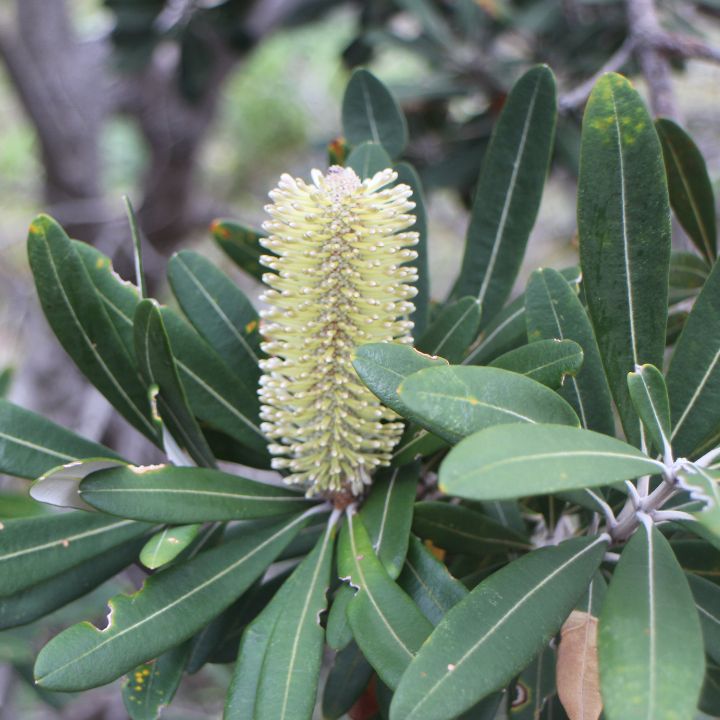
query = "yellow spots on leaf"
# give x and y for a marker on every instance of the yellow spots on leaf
(219, 230)
(251, 326)
(472, 400)
(35, 229)
(100, 263)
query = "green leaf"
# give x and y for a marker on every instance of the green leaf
(36, 549)
(386, 623)
(461, 530)
(691, 192)
(387, 515)
(157, 366)
(624, 228)
(163, 547)
(180, 495)
(242, 695)
(339, 632)
(649, 395)
(703, 485)
(348, 677)
(408, 175)
(688, 273)
(216, 395)
(118, 296)
(508, 330)
(136, 234)
(707, 601)
(48, 595)
(383, 366)
(368, 159)
(693, 378)
(415, 443)
(534, 687)
(492, 634)
(80, 321)
(291, 667)
(150, 687)
(698, 556)
(30, 445)
(508, 192)
(429, 583)
(453, 330)
(219, 311)
(16, 504)
(6, 376)
(240, 244)
(171, 607)
(553, 310)
(548, 362)
(649, 642)
(455, 401)
(510, 461)
(370, 112)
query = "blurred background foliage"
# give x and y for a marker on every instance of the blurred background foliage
(194, 107)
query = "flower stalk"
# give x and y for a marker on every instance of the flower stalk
(340, 279)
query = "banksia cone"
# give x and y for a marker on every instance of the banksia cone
(339, 281)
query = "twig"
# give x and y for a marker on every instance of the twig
(575, 98)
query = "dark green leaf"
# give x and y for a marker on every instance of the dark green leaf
(185, 495)
(650, 644)
(137, 239)
(157, 365)
(624, 227)
(216, 395)
(6, 376)
(649, 395)
(36, 549)
(15, 505)
(461, 530)
(453, 330)
(30, 445)
(219, 311)
(48, 595)
(707, 602)
(516, 460)
(693, 378)
(408, 175)
(242, 695)
(691, 192)
(150, 687)
(508, 330)
(699, 557)
(429, 583)
(548, 362)
(368, 159)
(386, 623)
(383, 366)
(488, 637)
(82, 325)
(339, 632)
(508, 192)
(456, 401)
(241, 245)
(553, 310)
(688, 273)
(370, 112)
(387, 515)
(171, 607)
(534, 687)
(348, 677)
(291, 667)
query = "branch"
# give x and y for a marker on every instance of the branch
(575, 98)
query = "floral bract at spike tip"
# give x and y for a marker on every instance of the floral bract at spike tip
(340, 280)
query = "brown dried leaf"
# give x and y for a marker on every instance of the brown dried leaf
(578, 679)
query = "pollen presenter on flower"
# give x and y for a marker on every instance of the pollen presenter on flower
(340, 279)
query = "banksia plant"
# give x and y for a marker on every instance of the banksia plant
(516, 529)
(340, 280)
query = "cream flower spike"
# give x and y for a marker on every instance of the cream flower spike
(340, 280)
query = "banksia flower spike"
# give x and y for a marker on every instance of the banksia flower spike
(340, 280)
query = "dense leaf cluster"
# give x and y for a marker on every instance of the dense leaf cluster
(516, 531)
